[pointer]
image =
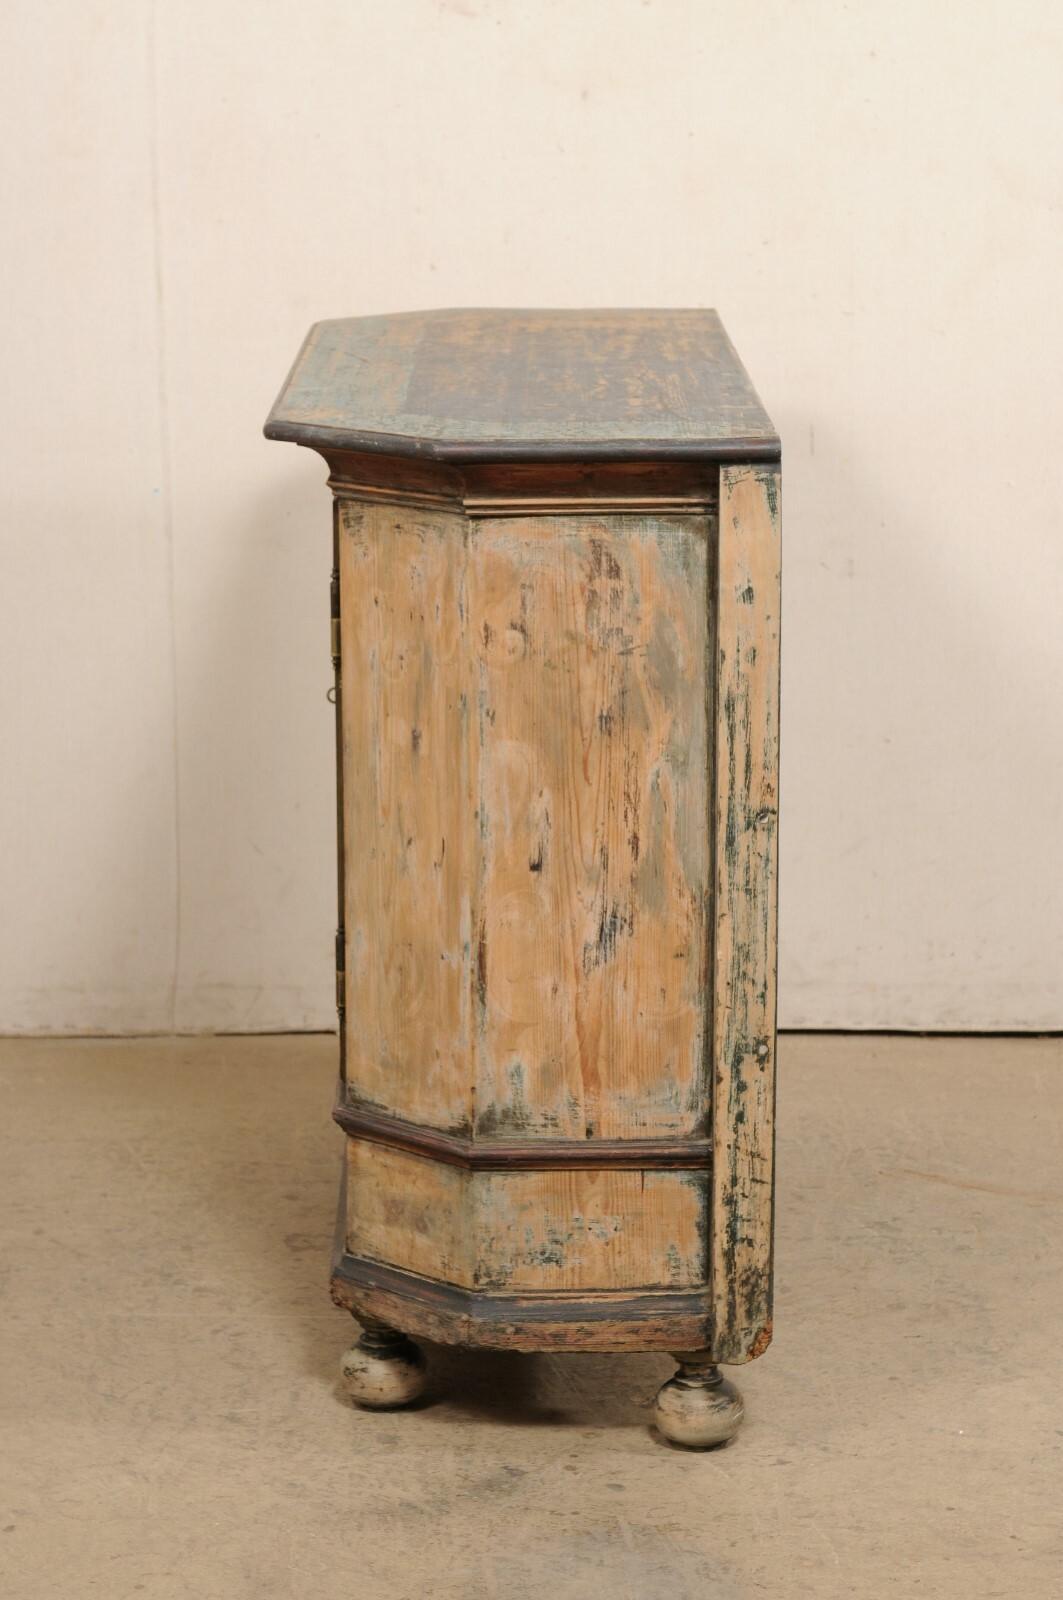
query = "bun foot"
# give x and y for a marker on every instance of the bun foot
(383, 1370)
(698, 1408)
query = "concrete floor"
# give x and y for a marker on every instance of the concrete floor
(171, 1425)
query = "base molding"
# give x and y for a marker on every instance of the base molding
(653, 1320)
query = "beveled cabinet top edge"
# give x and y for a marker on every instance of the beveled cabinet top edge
(462, 387)
(738, 451)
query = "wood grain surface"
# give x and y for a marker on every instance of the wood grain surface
(558, 726)
(590, 637)
(746, 810)
(478, 385)
(526, 1232)
(507, 1155)
(526, 776)
(411, 854)
(648, 1319)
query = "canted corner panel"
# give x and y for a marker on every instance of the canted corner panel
(409, 860)
(590, 637)
(746, 811)
(527, 1232)
(407, 1212)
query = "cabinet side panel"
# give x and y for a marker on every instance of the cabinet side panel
(408, 813)
(591, 643)
(538, 1232)
(527, 1232)
(746, 811)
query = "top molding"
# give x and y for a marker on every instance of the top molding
(481, 386)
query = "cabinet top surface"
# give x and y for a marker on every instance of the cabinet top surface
(484, 385)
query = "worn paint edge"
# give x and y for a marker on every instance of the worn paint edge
(556, 1305)
(319, 436)
(611, 1321)
(481, 505)
(742, 1237)
(374, 494)
(586, 1155)
(491, 506)
(637, 1323)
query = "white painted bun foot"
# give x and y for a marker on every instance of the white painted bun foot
(698, 1408)
(383, 1370)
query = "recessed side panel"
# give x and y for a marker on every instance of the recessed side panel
(746, 814)
(590, 641)
(538, 1232)
(519, 1233)
(409, 859)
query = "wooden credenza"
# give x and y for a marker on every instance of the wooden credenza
(555, 634)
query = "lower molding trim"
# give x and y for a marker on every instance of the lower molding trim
(654, 1320)
(534, 1155)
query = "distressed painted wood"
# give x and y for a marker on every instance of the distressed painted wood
(590, 641)
(526, 785)
(642, 1320)
(527, 1232)
(698, 1408)
(558, 585)
(667, 1154)
(409, 801)
(377, 1293)
(384, 1369)
(480, 385)
(746, 815)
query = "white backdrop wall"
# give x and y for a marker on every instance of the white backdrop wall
(871, 194)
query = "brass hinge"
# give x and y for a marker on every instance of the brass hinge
(334, 619)
(341, 974)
